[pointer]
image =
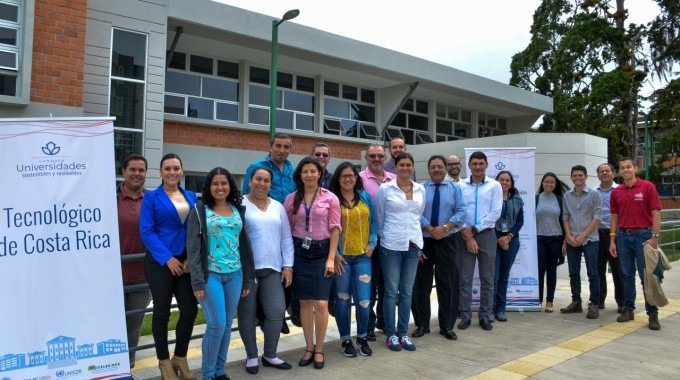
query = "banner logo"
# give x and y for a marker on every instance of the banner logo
(51, 149)
(500, 165)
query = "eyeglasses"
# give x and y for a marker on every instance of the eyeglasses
(375, 155)
(324, 155)
(453, 164)
(348, 176)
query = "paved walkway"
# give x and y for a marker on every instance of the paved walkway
(534, 345)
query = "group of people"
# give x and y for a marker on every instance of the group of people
(307, 240)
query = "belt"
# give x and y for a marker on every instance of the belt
(604, 230)
(319, 242)
(633, 231)
(484, 230)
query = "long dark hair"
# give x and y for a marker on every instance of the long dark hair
(234, 196)
(335, 184)
(560, 187)
(512, 190)
(299, 185)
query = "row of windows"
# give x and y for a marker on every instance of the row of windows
(10, 29)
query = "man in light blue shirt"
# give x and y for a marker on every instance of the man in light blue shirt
(484, 199)
(443, 216)
(605, 173)
(277, 162)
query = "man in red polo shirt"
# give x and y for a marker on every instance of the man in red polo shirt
(129, 195)
(636, 221)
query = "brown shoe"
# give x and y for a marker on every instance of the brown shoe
(167, 372)
(182, 367)
(654, 322)
(626, 316)
(593, 312)
(574, 307)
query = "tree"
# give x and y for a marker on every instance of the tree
(593, 64)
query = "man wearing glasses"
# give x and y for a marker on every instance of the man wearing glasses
(453, 168)
(373, 176)
(322, 153)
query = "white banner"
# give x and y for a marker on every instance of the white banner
(523, 284)
(60, 273)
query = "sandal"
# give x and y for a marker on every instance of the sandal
(548, 307)
(319, 365)
(305, 362)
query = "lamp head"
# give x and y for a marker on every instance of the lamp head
(291, 14)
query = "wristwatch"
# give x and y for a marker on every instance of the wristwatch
(655, 236)
(474, 230)
(446, 227)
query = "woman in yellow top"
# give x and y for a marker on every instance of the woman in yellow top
(353, 261)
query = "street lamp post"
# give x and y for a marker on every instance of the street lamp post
(291, 14)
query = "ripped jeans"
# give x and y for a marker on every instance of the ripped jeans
(355, 282)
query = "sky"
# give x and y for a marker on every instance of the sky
(476, 36)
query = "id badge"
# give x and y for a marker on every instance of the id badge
(306, 242)
(504, 227)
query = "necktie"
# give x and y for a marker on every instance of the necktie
(434, 219)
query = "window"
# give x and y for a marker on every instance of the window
(201, 92)
(490, 125)
(453, 123)
(412, 123)
(294, 100)
(10, 46)
(127, 92)
(349, 111)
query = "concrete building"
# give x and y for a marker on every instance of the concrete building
(209, 100)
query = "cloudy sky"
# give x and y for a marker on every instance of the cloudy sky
(477, 36)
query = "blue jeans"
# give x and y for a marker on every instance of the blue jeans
(399, 272)
(590, 252)
(504, 262)
(355, 282)
(631, 251)
(222, 294)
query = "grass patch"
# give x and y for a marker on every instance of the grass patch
(172, 325)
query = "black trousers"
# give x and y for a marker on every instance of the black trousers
(164, 285)
(375, 316)
(442, 264)
(603, 258)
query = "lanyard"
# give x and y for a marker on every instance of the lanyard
(308, 209)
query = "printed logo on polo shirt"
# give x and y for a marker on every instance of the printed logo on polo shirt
(639, 197)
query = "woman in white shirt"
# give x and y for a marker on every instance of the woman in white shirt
(269, 231)
(398, 205)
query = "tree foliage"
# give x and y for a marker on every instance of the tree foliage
(593, 64)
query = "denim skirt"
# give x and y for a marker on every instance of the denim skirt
(309, 282)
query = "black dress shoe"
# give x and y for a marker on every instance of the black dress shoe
(448, 334)
(305, 362)
(283, 365)
(501, 317)
(253, 370)
(485, 324)
(420, 331)
(319, 364)
(284, 328)
(465, 323)
(370, 336)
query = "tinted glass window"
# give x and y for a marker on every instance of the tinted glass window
(227, 69)
(174, 104)
(417, 122)
(363, 113)
(201, 65)
(128, 56)
(227, 111)
(349, 92)
(368, 96)
(8, 36)
(200, 108)
(258, 75)
(305, 84)
(258, 116)
(259, 95)
(182, 83)
(304, 122)
(8, 85)
(298, 102)
(337, 108)
(8, 60)
(284, 80)
(220, 89)
(331, 89)
(284, 119)
(421, 107)
(127, 104)
(9, 12)
(178, 61)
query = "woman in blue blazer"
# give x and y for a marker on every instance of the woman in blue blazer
(163, 226)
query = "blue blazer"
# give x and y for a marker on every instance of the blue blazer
(163, 233)
(373, 226)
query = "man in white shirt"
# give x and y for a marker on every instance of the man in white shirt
(484, 199)
(453, 167)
